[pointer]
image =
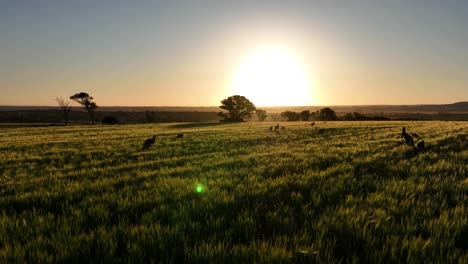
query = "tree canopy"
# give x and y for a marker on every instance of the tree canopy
(327, 114)
(87, 101)
(238, 107)
(305, 115)
(290, 115)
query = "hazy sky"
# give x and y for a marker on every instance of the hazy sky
(187, 52)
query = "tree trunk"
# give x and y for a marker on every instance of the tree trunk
(91, 114)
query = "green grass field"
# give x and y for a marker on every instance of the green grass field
(354, 193)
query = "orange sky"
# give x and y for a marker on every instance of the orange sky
(187, 54)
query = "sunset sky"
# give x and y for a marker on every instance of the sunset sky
(195, 53)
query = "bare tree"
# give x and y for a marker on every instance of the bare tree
(261, 114)
(87, 101)
(275, 117)
(65, 107)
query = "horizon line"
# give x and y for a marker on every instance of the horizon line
(193, 106)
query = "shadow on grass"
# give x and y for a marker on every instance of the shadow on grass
(457, 143)
(194, 125)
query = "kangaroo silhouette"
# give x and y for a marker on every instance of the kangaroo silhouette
(408, 139)
(149, 142)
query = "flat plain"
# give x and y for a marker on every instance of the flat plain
(332, 192)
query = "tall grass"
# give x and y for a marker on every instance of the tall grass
(354, 193)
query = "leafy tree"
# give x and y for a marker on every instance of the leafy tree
(358, 116)
(65, 107)
(326, 114)
(238, 107)
(305, 115)
(348, 117)
(261, 114)
(291, 116)
(314, 115)
(87, 101)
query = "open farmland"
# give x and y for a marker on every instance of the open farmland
(352, 193)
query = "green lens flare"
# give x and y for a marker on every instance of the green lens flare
(199, 189)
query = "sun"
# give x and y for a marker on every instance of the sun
(273, 77)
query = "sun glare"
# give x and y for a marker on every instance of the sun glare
(273, 77)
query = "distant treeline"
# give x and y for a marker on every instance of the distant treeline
(327, 114)
(77, 116)
(360, 117)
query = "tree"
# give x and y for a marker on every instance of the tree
(275, 117)
(305, 115)
(261, 114)
(87, 101)
(291, 116)
(358, 116)
(65, 107)
(314, 115)
(348, 117)
(238, 107)
(326, 114)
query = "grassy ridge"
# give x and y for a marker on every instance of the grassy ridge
(353, 193)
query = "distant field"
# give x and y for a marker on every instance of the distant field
(351, 193)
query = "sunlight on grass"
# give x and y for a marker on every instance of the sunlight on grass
(354, 192)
